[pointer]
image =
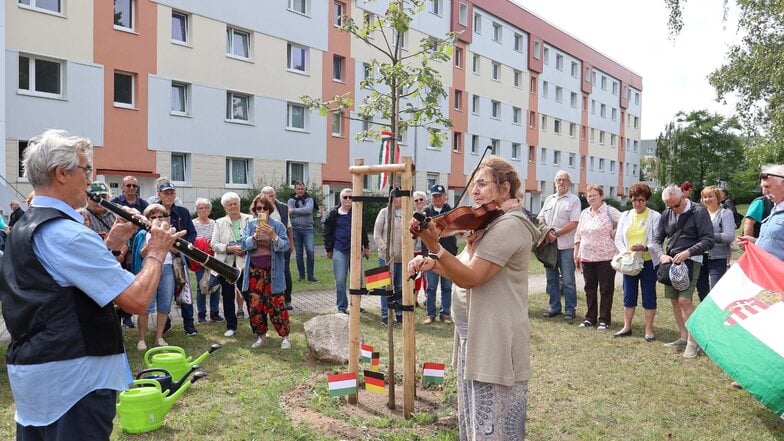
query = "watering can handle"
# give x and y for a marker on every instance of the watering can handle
(148, 355)
(147, 382)
(147, 371)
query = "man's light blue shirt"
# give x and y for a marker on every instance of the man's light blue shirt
(73, 255)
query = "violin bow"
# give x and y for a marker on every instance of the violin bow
(471, 178)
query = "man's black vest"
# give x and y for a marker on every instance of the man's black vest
(49, 322)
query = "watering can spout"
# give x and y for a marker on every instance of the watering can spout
(168, 401)
(213, 348)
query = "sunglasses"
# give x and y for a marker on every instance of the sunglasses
(676, 206)
(131, 186)
(764, 176)
(259, 208)
(158, 217)
(418, 200)
(346, 198)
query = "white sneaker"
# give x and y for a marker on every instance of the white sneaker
(229, 333)
(261, 341)
(162, 342)
(141, 346)
(285, 344)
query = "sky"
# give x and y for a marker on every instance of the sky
(634, 33)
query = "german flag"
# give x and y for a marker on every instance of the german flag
(374, 381)
(375, 360)
(378, 277)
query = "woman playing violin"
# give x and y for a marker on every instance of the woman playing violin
(494, 350)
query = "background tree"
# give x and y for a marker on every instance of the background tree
(701, 147)
(403, 89)
(754, 69)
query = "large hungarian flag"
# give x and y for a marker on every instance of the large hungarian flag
(386, 156)
(739, 325)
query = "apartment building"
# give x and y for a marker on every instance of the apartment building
(208, 93)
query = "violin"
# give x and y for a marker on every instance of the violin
(458, 219)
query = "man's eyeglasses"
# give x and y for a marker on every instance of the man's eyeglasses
(764, 176)
(676, 206)
(131, 186)
(346, 198)
(418, 200)
(158, 217)
(87, 169)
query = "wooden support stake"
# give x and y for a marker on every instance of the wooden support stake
(355, 274)
(409, 317)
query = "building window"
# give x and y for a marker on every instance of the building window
(593, 77)
(434, 6)
(237, 171)
(179, 30)
(495, 109)
(124, 89)
(296, 172)
(593, 134)
(496, 74)
(474, 144)
(612, 140)
(545, 89)
(497, 32)
(634, 169)
(559, 62)
(22, 148)
(636, 98)
(296, 58)
(237, 107)
(462, 16)
(573, 100)
(614, 114)
(41, 76)
(516, 111)
(558, 94)
(601, 164)
(337, 124)
(603, 111)
(615, 88)
(601, 137)
(571, 160)
(636, 146)
(612, 166)
(557, 126)
(543, 155)
(475, 64)
(459, 57)
(636, 122)
(518, 42)
(458, 100)
(604, 82)
(537, 46)
(593, 107)
(531, 153)
(532, 119)
(575, 69)
(338, 68)
(477, 23)
(367, 71)
(546, 57)
(295, 119)
(572, 130)
(544, 123)
(237, 43)
(124, 14)
(180, 99)
(299, 6)
(516, 80)
(556, 157)
(457, 142)
(495, 146)
(365, 123)
(46, 5)
(475, 104)
(179, 167)
(516, 151)
(340, 10)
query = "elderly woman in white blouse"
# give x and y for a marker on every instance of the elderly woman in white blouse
(204, 229)
(635, 234)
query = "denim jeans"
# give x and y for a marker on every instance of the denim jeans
(397, 283)
(563, 273)
(646, 281)
(340, 264)
(201, 298)
(304, 238)
(229, 308)
(287, 275)
(446, 294)
(712, 270)
(162, 300)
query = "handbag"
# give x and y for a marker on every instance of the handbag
(629, 264)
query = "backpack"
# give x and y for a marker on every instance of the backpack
(735, 215)
(767, 207)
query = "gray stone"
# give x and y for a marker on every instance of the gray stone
(327, 337)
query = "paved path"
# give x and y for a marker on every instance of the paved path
(323, 302)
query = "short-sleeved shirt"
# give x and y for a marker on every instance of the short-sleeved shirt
(595, 234)
(558, 211)
(755, 210)
(73, 255)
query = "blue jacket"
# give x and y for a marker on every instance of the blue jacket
(279, 249)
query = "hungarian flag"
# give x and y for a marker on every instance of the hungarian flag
(375, 361)
(342, 384)
(385, 156)
(366, 351)
(739, 325)
(374, 381)
(378, 277)
(433, 373)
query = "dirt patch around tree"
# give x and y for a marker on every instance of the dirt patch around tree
(356, 421)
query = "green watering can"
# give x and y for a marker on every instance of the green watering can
(174, 360)
(143, 407)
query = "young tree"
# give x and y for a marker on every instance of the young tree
(700, 147)
(403, 89)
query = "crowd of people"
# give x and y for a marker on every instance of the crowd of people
(59, 306)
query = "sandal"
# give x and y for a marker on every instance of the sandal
(602, 326)
(586, 324)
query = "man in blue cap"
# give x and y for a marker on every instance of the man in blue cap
(437, 207)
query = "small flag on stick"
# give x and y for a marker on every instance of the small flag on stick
(374, 381)
(385, 156)
(342, 384)
(378, 277)
(433, 373)
(366, 353)
(375, 361)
